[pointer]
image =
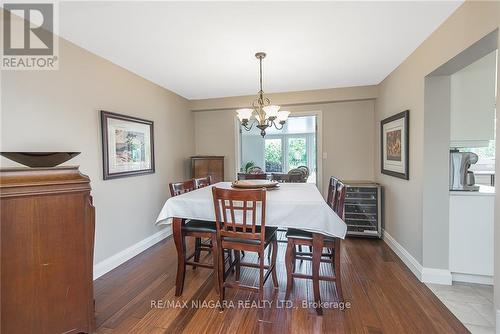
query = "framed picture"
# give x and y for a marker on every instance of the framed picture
(127, 145)
(394, 133)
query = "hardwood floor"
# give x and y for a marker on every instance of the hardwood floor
(384, 297)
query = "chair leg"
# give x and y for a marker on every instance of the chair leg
(289, 263)
(237, 265)
(269, 254)
(221, 268)
(215, 261)
(338, 278)
(273, 263)
(261, 276)
(242, 253)
(261, 313)
(197, 250)
(316, 261)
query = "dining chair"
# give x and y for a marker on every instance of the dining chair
(287, 178)
(305, 170)
(179, 188)
(331, 201)
(249, 176)
(203, 182)
(317, 242)
(198, 229)
(332, 193)
(199, 242)
(299, 175)
(240, 217)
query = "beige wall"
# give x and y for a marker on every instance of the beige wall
(214, 135)
(348, 137)
(320, 96)
(404, 89)
(59, 111)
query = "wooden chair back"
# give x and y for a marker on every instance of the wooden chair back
(237, 213)
(255, 170)
(178, 188)
(332, 193)
(287, 178)
(341, 192)
(245, 176)
(203, 182)
(305, 169)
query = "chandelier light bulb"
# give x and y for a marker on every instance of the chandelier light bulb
(283, 116)
(271, 111)
(244, 113)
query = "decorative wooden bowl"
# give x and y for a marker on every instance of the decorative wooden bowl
(40, 159)
(255, 184)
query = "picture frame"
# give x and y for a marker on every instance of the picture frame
(395, 145)
(127, 145)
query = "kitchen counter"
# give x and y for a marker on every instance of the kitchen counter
(483, 191)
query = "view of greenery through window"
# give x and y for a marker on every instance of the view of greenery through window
(297, 152)
(273, 156)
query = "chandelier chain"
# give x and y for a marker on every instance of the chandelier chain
(263, 118)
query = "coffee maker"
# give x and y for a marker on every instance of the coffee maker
(461, 178)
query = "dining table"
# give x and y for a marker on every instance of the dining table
(289, 205)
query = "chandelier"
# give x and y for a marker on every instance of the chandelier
(263, 114)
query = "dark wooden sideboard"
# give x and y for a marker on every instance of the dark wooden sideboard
(47, 243)
(204, 165)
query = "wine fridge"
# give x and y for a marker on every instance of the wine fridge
(363, 208)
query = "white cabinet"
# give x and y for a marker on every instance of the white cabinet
(472, 103)
(471, 233)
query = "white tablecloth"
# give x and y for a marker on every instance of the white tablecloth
(296, 205)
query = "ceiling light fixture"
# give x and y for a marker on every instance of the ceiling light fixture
(263, 114)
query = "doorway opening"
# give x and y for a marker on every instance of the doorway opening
(459, 176)
(283, 150)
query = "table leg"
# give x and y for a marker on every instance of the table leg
(181, 254)
(316, 261)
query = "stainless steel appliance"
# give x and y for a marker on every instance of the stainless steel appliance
(363, 208)
(461, 178)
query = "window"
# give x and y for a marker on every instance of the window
(273, 155)
(282, 150)
(297, 152)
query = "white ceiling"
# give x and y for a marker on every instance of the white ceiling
(206, 49)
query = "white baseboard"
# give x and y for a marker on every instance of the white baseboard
(114, 261)
(404, 255)
(436, 276)
(426, 275)
(470, 278)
